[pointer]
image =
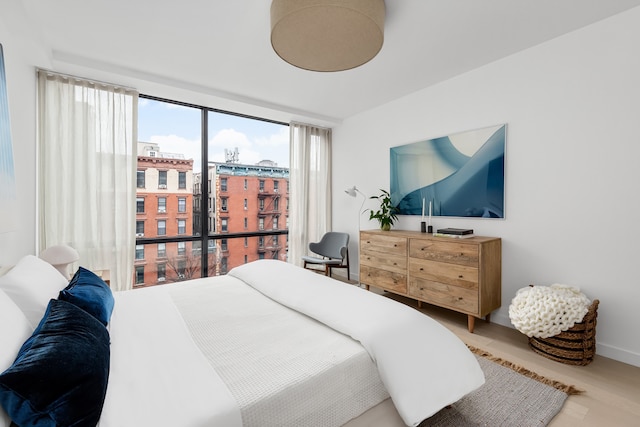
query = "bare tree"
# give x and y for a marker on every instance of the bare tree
(187, 267)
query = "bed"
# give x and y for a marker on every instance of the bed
(269, 344)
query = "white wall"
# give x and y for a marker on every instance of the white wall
(24, 52)
(572, 196)
(572, 177)
(21, 53)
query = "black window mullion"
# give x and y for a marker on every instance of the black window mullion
(204, 197)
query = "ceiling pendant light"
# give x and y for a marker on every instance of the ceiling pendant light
(327, 35)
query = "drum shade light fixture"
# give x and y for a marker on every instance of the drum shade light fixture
(327, 35)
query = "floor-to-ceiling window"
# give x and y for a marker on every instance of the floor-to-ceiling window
(207, 178)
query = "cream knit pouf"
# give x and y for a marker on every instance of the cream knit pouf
(545, 311)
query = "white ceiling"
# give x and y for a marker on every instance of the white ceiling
(223, 46)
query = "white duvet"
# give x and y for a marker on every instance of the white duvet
(423, 365)
(159, 376)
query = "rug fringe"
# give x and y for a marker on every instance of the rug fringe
(569, 389)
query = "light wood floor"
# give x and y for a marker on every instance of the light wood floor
(611, 389)
(611, 394)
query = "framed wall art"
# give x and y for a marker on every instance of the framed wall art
(8, 197)
(459, 175)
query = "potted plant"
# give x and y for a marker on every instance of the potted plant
(387, 214)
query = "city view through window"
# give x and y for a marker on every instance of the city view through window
(229, 196)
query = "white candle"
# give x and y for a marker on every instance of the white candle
(429, 212)
(423, 201)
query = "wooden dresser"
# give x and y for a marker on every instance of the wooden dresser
(464, 275)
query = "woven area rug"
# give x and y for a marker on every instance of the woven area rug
(510, 396)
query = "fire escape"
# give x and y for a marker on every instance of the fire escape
(269, 219)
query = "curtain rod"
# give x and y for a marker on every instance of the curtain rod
(309, 125)
(91, 81)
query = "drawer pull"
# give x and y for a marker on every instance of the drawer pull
(395, 263)
(421, 269)
(422, 289)
(460, 276)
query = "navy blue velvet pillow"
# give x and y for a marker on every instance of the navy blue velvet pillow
(90, 293)
(60, 375)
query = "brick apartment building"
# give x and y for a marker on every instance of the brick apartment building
(250, 199)
(247, 203)
(164, 207)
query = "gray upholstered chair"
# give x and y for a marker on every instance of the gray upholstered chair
(333, 249)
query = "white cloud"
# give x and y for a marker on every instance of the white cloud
(274, 147)
(177, 144)
(228, 138)
(280, 139)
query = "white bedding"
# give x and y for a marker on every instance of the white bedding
(158, 376)
(423, 365)
(162, 374)
(283, 368)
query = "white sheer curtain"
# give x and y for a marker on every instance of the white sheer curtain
(310, 187)
(87, 133)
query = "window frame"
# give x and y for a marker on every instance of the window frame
(164, 223)
(205, 228)
(141, 183)
(162, 179)
(161, 253)
(162, 204)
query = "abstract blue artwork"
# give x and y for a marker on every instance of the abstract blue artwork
(8, 198)
(459, 175)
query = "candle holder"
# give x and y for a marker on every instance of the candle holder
(429, 229)
(423, 227)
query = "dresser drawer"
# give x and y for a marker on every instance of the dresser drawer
(464, 275)
(445, 251)
(384, 244)
(444, 295)
(459, 275)
(384, 279)
(388, 261)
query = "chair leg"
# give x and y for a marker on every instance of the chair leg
(327, 270)
(348, 269)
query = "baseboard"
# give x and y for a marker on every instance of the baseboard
(602, 349)
(616, 353)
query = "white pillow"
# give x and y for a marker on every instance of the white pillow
(31, 283)
(14, 331)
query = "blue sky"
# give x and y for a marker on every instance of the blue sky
(177, 130)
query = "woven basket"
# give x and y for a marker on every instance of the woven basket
(575, 346)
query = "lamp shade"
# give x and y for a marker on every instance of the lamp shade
(351, 191)
(327, 35)
(60, 256)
